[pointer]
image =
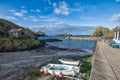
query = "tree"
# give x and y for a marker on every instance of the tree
(103, 32)
(100, 31)
(109, 35)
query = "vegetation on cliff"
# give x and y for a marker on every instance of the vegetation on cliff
(5, 26)
(40, 33)
(8, 43)
(103, 32)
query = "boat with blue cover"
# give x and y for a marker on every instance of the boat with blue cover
(62, 68)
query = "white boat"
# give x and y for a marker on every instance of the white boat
(70, 62)
(65, 69)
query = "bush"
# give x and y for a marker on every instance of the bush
(85, 67)
(34, 74)
(103, 32)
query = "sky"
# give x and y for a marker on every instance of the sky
(79, 17)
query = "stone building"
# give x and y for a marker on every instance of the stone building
(17, 33)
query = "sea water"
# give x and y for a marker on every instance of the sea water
(87, 46)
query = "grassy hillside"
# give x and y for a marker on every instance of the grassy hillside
(5, 26)
(13, 44)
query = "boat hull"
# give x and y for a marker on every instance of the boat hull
(69, 62)
(65, 69)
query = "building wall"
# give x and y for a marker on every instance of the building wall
(116, 33)
(21, 34)
(117, 36)
(18, 34)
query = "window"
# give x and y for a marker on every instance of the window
(11, 33)
(22, 33)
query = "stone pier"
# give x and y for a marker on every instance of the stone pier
(106, 63)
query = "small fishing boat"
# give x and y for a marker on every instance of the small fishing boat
(70, 62)
(61, 68)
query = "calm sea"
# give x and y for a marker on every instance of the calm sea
(88, 46)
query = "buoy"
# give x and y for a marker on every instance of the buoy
(46, 72)
(53, 72)
(41, 70)
(60, 75)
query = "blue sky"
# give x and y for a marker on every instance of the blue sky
(62, 16)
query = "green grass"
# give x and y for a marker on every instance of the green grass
(34, 74)
(6, 38)
(86, 67)
(10, 43)
(30, 41)
(85, 59)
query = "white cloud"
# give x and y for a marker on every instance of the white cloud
(8, 17)
(34, 19)
(86, 18)
(12, 10)
(24, 11)
(19, 14)
(61, 8)
(57, 11)
(36, 10)
(54, 4)
(116, 18)
(60, 27)
(24, 18)
(11, 18)
(31, 18)
(44, 17)
(76, 9)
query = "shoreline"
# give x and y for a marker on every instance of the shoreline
(22, 62)
(17, 65)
